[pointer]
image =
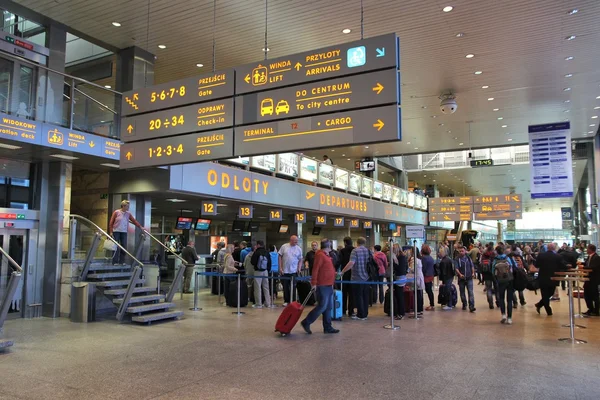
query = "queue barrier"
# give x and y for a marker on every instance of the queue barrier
(239, 276)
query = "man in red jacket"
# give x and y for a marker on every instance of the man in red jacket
(323, 277)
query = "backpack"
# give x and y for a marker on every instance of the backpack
(486, 265)
(262, 264)
(503, 271)
(521, 279)
(335, 259)
(372, 268)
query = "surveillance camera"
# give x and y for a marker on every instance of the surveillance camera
(448, 105)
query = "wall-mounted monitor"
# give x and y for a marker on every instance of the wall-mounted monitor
(284, 228)
(316, 230)
(202, 224)
(184, 223)
(366, 166)
(238, 226)
(253, 226)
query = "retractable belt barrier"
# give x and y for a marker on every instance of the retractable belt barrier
(305, 278)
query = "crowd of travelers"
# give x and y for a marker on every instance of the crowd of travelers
(504, 270)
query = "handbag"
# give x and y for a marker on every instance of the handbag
(109, 245)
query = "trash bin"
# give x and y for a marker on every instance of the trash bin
(83, 302)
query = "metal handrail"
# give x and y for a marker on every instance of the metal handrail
(12, 262)
(96, 101)
(23, 60)
(76, 216)
(145, 232)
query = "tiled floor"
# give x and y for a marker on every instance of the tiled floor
(212, 354)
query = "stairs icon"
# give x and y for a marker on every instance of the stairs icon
(131, 103)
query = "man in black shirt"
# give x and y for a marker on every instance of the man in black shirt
(190, 256)
(237, 252)
(347, 301)
(309, 259)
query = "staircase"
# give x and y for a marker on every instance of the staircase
(143, 303)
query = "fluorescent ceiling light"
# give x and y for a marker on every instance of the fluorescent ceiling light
(485, 87)
(448, 9)
(64, 157)
(597, 108)
(594, 117)
(347, 30)
(221, 205)
(496, 109)
(567, 101)
(162, 46)
(505, 126)
(478, 72)
(116, 24)
(187, 211)
(500, 118)
(569, 58)
(509, 139)
(490, 98)
(470, 55)
(199, 65)
(461, 143)
(111, 165)
(176, 200)
(10, 146)
(416, 148)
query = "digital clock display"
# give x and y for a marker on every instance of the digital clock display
(482, 163)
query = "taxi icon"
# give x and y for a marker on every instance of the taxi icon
(282, 107)
(266, 107)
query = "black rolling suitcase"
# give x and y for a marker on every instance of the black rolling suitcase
(232, 296)
(304, 289)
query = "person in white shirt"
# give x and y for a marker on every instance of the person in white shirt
(117, 228)
(290, 263)
(327, 160)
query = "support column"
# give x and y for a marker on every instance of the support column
(53, 186)
(135, 69)
(50, 85)
(593, 170)
(499, 237)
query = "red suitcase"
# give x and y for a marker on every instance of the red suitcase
(409, 300)
(290, 315)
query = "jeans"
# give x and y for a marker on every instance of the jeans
(490, 286)
(546, 292)
(289, 293)
(187, 280)
(521, 297)
(361, 299)
(324, 305)
(592, 297)
(261, 282)
(447, 286)
(429, 290)
(505, 289)
(468, 284)
(121, 238)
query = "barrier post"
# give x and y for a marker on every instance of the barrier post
(292, 290)
(391, 325)
(158, 283)
(196, 283)
(271, 283)
(181, 286)
(579, 314)
(219, 289)
(416, 315)
(239, 282)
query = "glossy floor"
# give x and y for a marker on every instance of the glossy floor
(213, 354)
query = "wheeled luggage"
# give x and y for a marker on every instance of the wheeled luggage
(336, 306)
(290, 315)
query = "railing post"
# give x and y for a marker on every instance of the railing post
(90, 256)
(129, 293)
(175, 284)
(13, 283)
(139, 246)
(72, 238)
(72, 104)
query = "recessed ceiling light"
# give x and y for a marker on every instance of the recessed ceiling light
(591, 132)
(366, 147)
(567, 89)
(573, 11)
(64, 157)
(116, 24)
(567, 101)
(110, 165)
(470, 55)
(500, 118)
(485, 87)
(597, 97)
(199, 65)
(416, 148)
(343, 155)
(434, 116)
(569, 58)
(448, 9)
(568, 75)
(346, 30)
(461, 143)
(434, 180)
(10, 146)
(594, 117)
(107, 86)
(505, 126)
(348, 159)
(176, 200)
(460, 34)
(263, 49)
(509, 139)
(423, 107)
(449, 131)
(455, 138)
(592, 124)
(162, 46)
(478, 72)
(496, 109)
(407, 142)
(490, 98)
(440, 124)
(597, 108)
(566, 111)
(571, 37)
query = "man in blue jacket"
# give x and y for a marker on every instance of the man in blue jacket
(465, 270)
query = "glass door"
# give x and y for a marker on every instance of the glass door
(25, 92)
(6, 80)
(13, 242)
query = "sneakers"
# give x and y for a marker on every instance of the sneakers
(554, 298)
(491, 307)
(362, 319)
(332, 330)
(509, 321)
(504, 319)
(538, 308)
(446, 308)
(354, 317)
(464, 308)
(306, 327)
(523, 304)
(515, 305)
(285, 304)
(256, 306)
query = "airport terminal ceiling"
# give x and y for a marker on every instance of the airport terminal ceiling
(530, 73)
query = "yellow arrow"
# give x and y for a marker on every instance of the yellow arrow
(298, 66)
(378, 88)
(309, 195)
(446, 217)
(135, 96)
(92, 144)
(128, 155)
(379, 124)
(515, 198)
(129, 129)
(247, 78)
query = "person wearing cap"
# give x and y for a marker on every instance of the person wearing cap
(117, 228)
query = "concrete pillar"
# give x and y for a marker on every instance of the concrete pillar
(51, 85)
(53, 186)
(499, 237)
(135, 69)
(593, 170)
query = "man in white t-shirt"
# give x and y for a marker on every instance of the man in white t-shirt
(290, 263)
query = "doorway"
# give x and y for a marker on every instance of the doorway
(13, 242)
